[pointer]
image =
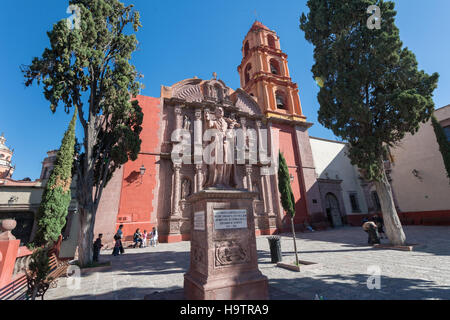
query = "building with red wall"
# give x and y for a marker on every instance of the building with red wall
(268, 103)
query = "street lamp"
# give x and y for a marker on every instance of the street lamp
(142, 170)
(291, 176)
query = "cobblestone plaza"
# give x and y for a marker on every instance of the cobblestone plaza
(346, 265)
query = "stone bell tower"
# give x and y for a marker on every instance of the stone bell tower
(265, 74)
(6, 168)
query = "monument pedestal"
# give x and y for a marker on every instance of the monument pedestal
(224, 262)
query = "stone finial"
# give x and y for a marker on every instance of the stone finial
(6, 227)
(215, 75)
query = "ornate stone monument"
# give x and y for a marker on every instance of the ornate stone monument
(224, 262)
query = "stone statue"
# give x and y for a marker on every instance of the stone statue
(221, 172)
(186, 123)
(185, 189)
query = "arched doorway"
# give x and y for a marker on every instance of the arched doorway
(333, 211)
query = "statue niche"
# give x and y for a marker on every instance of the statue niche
(221, 167)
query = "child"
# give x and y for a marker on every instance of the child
(154, 237)
(137, 238)
(97, 246)
(144, 239)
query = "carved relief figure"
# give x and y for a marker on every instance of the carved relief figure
(186, 189)
(221, 172)
(186, 123)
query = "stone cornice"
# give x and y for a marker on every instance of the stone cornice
(222, 194)
(289, 119)
(262, 49)
(329, 181)
(271, 78)
(210, 105)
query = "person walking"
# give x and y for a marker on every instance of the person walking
(120, 237)
(116, 250)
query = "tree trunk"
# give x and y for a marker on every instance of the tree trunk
(393, 226)
(35, 291)
(86, 236)
(295, 242)
(85, 188)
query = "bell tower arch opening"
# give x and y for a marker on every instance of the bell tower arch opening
(271, 41)
(248, 68)
(246, 49)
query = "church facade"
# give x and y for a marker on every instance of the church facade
(153, 190)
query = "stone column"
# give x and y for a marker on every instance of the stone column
(176, 193)
(241, 146)
(263, 157)
(176, 186)
(268, 191)
(198, 137)
(178, 118)
(270, 218)
(198, 178)
(248, 176)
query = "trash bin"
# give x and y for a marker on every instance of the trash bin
(275, 248)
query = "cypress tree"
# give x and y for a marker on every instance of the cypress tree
(56, 198)
(372, 92)
(287, 197)
(444, 145)
(40, 267)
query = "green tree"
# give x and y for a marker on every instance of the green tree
(39, 268)
(88, 68)
(287, 197)
(56, 198)
(372, 93)
(444, 145)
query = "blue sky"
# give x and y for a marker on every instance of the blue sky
(182, 39)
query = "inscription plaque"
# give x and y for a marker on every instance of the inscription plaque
(230, 219)
(199, 221)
